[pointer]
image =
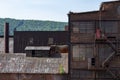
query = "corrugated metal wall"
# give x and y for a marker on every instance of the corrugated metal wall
(38, 38)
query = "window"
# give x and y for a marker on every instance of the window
(76, 53)
(83, 27)
(109, 26)
(87, 27)
(31, 41)
(75, 27)
(50, 40)
(80, 52)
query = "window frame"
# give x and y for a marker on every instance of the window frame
(111, 25)
(84, 47)
(84, 27)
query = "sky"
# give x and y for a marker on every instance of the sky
(53, 10)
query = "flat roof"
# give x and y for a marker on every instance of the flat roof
(37, 48)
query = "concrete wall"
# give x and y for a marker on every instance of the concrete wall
(19, 63)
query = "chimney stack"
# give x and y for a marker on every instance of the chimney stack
(6, 37)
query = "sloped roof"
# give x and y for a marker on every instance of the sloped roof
(37, 48)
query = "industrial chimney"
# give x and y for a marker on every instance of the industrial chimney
(6, 37)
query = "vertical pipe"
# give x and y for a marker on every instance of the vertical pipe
(69, 44)
(6, 37)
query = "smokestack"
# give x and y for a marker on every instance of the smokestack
(6, 37)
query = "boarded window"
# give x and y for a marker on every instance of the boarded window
(82, 51)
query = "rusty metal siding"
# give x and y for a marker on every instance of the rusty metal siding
(79, 74)
(82, 31)
(93, 15)
(17, 76)
(82, 38)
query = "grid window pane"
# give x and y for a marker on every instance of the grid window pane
(83, 27)
(81, 52)
(109, 26)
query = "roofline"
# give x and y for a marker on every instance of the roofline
(94, 11)
(83, 12)
(41, 31)
(2, 36)
(107, 2)
(110, 2)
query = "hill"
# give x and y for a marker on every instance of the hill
(31, 25)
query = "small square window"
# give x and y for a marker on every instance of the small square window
(50, 40)
(31, 41)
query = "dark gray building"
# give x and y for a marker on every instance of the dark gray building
(23, 39)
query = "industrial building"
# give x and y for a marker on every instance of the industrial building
(89, 49)
(95, 43)
(23, 39)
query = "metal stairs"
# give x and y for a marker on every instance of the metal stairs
(106, 62)
(115, 77)
(114, 44)
(108, 59)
